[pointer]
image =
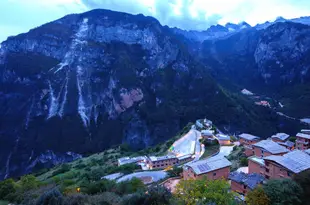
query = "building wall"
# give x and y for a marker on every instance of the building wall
(237, 187)
(163, 163)
(260, 152)
(255, 168)
(248, 151)
(224, 142)
(300, 143)
(247, 142)
(216, 174)
(277, 140)
(276, 171)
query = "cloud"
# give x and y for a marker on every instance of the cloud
(21, 15)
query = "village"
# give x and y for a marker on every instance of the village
(272, 158)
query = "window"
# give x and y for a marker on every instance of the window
(267, 177)
(267, 170)
(244, 186)
(214, 173)
(289, 173)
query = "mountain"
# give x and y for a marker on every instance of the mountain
(273, 61)
(86, 82)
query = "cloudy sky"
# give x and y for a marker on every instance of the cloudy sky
(18, 16)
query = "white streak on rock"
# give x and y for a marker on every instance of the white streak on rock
(81, 102)
(53, 102)
(64, 100)
(78, 40)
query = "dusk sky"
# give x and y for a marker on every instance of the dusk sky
(18, 16)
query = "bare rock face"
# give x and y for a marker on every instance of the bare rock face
(88, 81)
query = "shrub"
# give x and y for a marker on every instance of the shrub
(52, 197)
(8, 188)
(28, 182)
(63, 168)
(244, 161)
(76, 199)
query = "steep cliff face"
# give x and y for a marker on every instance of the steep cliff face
(88, 81)
(271, 60)
(85, 82)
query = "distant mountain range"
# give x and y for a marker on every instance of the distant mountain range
(89, 81)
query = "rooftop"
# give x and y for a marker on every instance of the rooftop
(128, 160)
(305, 131)
(287, 143)
(248, 136)
(257, 160)
(153, 158)
(209, 165)
(307, 151)
(281, 136)
(295, 161)
(207, 132)
(302, 135)
(271, 146)
(184, 156)
(223, 137)
(250, 180)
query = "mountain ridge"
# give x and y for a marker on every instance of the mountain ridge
(88, 81)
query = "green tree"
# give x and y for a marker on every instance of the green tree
(257, 197)
(156, 195)
(303, 179)
(244, 161)
(204, 191)
(28, 182)
(129, 187)
(283, 191)
(52, 197)
(175, 171)
(8, 188)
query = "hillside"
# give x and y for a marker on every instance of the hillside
(86, 82)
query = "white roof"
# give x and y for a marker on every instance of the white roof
(302, 135)
(305, 131)
(184, 156)
(295, 161)
(207, 132)
(271, 146)
(128, 160)
(248, 136)
(209, 165)
(153, 158)
(257, 160)
(281, 136)
(223, 137)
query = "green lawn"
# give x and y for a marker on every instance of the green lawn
(210, 150)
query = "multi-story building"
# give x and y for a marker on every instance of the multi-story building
(212, 168)
(162, 162)
(223, 139)
(243, 183)
(266, 148)
(247, 141)
(280, 137)
(302, 141)
(185, 158)
(128, 160)
(276, 166)
(286, 166)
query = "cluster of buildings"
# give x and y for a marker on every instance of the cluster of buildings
(153, 162)
(274, 158)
